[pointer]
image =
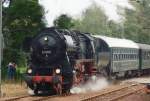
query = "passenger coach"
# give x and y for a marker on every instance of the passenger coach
(116, 57)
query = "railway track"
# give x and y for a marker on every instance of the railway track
(14, 98)
(29, 98)
(115, 94)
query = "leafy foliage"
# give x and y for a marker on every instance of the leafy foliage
(95, 21)
(21, 18)
(137, 23)
(64, 21)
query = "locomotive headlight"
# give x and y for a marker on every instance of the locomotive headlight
(74, 71)
(29, 71)
(45, 38)
(57, 71)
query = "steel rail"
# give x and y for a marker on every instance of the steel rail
(106, 93)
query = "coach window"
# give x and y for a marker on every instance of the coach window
(129, 56)
(133, 56)
(120, 56)
(116, 57)
(124, 56)
(136, 56)
(113, 56)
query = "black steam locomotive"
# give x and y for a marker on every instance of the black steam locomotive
(61, 58)
(53, 56)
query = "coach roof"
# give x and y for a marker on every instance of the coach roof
(116, 42)
(144, 46)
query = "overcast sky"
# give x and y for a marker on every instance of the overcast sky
(74, 8)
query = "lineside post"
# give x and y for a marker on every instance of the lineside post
(1, 42)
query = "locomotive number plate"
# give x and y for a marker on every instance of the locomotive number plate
(46, 52)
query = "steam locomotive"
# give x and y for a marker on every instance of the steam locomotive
(61, 58)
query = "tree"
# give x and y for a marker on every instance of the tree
(95, 21)
(137, 22)
(21, 18)
(64, 21)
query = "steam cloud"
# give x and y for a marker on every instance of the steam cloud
(92, 85)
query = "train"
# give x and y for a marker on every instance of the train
(60, 58)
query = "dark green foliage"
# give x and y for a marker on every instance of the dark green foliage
(64, 21)
(21, 19)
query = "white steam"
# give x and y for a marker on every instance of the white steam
(95, 84)
(30, 91)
